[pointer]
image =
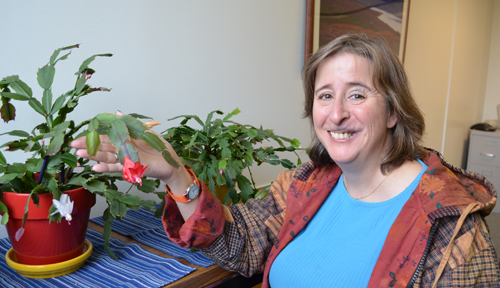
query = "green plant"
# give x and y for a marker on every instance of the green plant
(221, 149)
(49, 143)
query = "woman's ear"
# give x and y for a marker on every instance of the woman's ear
(392, 120)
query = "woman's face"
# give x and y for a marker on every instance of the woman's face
(350, 116)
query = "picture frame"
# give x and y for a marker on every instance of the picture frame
(371, 17)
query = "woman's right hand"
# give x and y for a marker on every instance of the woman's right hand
(157, 166)
(177, 179)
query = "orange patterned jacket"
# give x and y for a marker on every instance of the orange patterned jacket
(439, 236)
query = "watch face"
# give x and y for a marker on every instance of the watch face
(193, 192)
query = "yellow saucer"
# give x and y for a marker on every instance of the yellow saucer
(49, 270)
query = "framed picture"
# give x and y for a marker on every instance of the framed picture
(328, 19)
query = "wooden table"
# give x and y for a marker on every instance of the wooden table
(201, 277)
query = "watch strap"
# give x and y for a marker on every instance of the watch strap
(184, 198)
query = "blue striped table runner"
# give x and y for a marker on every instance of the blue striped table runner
(135, 221)
(136, 268)
(148, 230)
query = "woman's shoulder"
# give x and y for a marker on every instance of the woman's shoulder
(446, 190)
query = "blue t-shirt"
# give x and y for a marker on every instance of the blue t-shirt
(341, 244)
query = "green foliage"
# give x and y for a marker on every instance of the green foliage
(220, 150)
(48, 144)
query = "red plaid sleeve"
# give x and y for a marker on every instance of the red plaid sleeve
(202, 228)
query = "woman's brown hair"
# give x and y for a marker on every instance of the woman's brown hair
(390, 80)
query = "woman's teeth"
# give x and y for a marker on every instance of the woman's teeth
(341, 136)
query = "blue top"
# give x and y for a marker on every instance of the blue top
(343, 252)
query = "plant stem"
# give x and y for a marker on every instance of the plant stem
(49, 122)
(62, 174)
(251, 176)
(78, 128)
(44, 166)
(130, 188)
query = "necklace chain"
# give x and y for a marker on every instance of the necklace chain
(370, 192)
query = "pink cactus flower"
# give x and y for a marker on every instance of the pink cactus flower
(132, 172)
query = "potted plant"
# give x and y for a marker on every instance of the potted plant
(53, 186)
(220, 150)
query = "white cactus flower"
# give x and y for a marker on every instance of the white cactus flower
(64, 206)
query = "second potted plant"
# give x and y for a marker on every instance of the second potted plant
(220, 150)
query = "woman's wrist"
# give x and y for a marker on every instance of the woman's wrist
(179, 181)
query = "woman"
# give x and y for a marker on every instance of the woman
(373, 207)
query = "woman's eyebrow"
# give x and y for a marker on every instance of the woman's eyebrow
(328, 85)
(350, 84)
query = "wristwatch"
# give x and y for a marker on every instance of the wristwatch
(192, 191)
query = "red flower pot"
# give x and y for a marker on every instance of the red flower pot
(43, 242)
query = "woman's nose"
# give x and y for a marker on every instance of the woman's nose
(339, 112)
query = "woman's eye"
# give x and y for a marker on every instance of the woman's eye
(325, 96)
(356, 98)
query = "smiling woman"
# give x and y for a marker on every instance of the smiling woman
(357, 215)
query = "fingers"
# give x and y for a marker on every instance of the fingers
(106, 157)
(107, 160)
(104, 168)
(106, 154)
(79, 143)
(105, 146)
(108, 147)
(104, 139)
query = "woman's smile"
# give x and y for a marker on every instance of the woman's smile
(341, 135)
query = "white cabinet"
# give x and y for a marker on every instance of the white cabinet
(484, 156)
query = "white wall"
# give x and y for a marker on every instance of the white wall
(492, 98)
(170, 58)
(453, 65)
(447, 54)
